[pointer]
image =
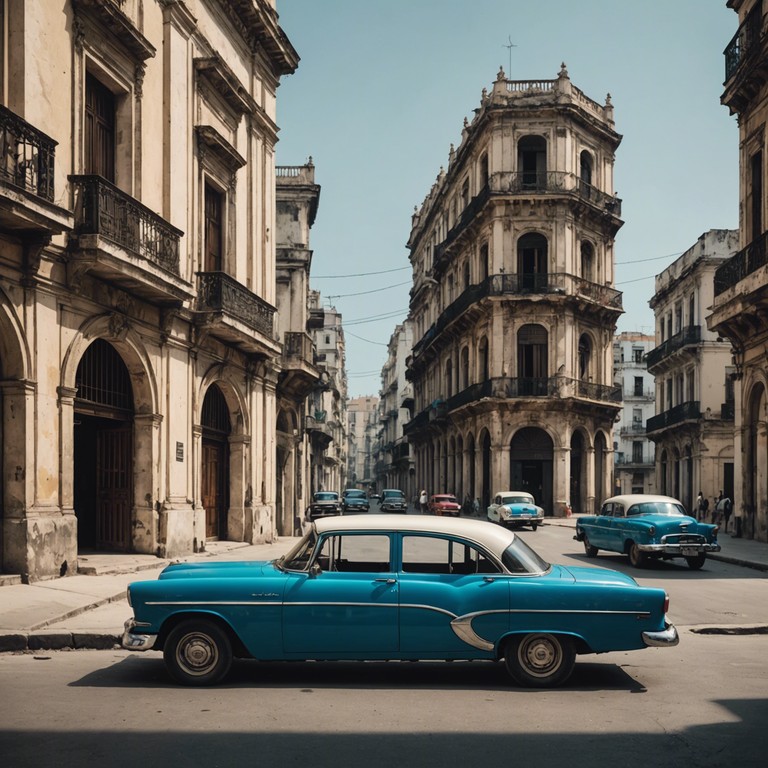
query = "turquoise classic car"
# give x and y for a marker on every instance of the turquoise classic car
(645, 526)
(374, 587)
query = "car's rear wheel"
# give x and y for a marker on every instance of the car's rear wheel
(198, 652)
(534, 526)
(588, 548)
(539, 660)
(695, 563)
(636, 556)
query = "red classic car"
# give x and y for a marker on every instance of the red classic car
(444, 504)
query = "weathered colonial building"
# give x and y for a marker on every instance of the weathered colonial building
(741, 284)
(297, 201)
(693, 424)
(513, 302)
(362, 420)
(395, 465)
(634, 452)
(139, 353)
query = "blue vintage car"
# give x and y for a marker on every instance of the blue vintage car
(515, 509)
(354, 500)
(646, 526)
(382, 587)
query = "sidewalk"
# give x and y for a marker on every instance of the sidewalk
(88, 610)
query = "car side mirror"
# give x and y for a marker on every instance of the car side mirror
(315, 570)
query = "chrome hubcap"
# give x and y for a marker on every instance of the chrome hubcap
(197, 653)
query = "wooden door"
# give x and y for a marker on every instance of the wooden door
(213, 490)
(114, 488)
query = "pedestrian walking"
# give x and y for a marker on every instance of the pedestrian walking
(423, 502)
(700, 507)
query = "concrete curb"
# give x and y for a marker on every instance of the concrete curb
(56, 640)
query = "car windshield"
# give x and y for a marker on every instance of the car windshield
(518, 557)
(516, 500)
(297, 559)
(393, 495)
(328, 496)
(354, 494)
(443, 499)
(668, 508)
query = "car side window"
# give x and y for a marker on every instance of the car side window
(430, 554)
(618, 510)
(355, 553)
(607, 510)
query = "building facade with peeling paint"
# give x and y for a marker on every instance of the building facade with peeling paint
(139, 353)
(514, 305)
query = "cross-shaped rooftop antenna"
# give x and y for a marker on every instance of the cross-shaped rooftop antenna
(509, 46)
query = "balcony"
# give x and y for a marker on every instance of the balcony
(741, 264)
(555, 285)
(689, 411)
(746, 64)
(684, 338)
(298, 376)
(507, 388)
(26, 180)
(320, 433)
(121, 241)
(230, 312)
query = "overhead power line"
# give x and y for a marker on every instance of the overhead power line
(358, 274)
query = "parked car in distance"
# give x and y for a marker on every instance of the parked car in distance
(354, 500)
(392, 500)
(413, 587)
(324, 503)
(514, 509)
(444, 504)
(645, 526)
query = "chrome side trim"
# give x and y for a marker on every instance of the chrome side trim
(462, 627)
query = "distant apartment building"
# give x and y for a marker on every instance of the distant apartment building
(297, 199)
(741, 284)
(693, 424)
(394, 463)
(514, 305)
(634, 453)
(362, 420)
(327, 404)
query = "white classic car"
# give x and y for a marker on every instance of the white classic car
(515, 509)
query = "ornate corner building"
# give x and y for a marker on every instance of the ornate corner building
(740, 307)
(139, 354)
(513, 304)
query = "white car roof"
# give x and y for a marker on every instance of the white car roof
(513, 493)
(628, 499)
(489, 535)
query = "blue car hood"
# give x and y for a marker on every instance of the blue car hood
(219, 570)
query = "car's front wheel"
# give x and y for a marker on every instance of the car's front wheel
(696, 562)
(539, 660)
(636, 556)
(197, 652)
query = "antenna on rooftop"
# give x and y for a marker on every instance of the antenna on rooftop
(509, 46)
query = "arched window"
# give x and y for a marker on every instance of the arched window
(532, 352)
(464, 369)
(587, 261)
(482, 360)
(585, 173)
(532, 163)
(585, 357)
(532, 262)
(448, 378)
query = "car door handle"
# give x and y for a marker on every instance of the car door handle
(489, 579)
(387, 581)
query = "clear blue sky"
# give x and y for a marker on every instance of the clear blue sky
(382, 90)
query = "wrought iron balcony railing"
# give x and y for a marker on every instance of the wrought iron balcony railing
(689, 411)
(103, 209)
(683, 338)
(28, 155)
(505, 387)
(745, 41)
(220, 292)
(741, 264)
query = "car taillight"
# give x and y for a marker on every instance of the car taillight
(666, 603)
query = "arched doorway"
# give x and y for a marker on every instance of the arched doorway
(472, 490)
(530, 456)
(103, 450)
(485, 501)
(214, 489)
(601, 475)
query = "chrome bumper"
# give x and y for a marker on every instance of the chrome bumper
(133, 641)
(676, 549)
(666, 638)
